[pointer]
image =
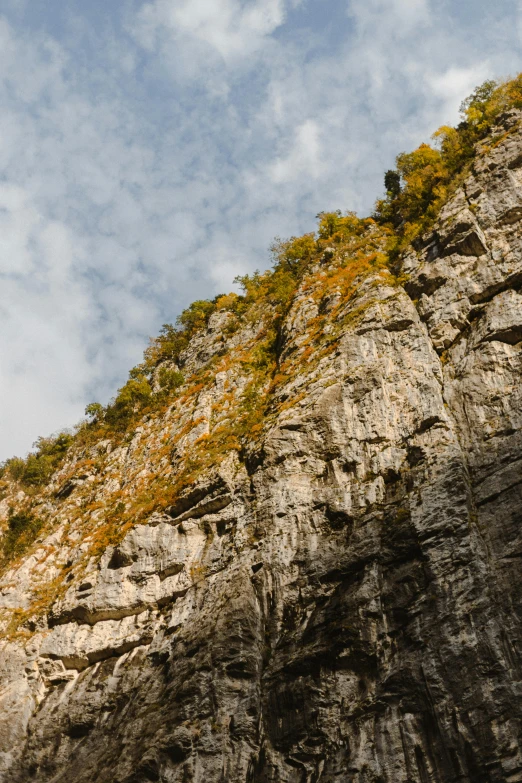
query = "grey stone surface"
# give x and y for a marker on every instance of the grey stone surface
(344, 605)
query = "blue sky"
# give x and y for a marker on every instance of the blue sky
(151, 151)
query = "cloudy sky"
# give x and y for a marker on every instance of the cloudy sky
(150, 152)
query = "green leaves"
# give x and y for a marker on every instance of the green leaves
(22, 530)
(95, 411)
(131, 398)
(169, 379)
(392, 183)
(474, 108)
(196, 316)
(424, 178)
(37, 468)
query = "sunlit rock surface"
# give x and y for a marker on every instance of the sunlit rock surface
(342, 604)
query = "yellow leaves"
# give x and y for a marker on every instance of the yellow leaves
(294, 252)
(135, 391)
(359, 265)
(192, 391)
(511, 92)
(474, 115)
(196, 315)
(424, 172)
(186, 429)
(475, 108)
(335, 226)
(489, 100)
(410, 163)
(450, 143)
(360, 254)
(227, 301)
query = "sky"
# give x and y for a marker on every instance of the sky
(152, 151)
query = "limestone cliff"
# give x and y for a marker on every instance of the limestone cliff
(305, 574)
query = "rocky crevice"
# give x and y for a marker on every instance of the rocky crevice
(345, 604)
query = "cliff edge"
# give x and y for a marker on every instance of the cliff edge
(304, 565)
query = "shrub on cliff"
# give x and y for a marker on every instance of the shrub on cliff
(415, 191)
(95, 412)
(169, 380)
(37, 468)
(172, 340)
(334, 227)
(131, 398)
(424, 178)
(166, 346)
(22, 529)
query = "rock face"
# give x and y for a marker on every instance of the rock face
(342, 604)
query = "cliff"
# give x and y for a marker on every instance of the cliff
(303, 564)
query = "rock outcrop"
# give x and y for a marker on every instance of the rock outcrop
(341, 602)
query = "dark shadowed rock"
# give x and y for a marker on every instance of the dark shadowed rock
(342, 603)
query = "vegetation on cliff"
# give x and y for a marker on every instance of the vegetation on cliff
(330, 262)
(425, 178)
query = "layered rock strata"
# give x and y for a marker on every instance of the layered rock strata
(341, 604)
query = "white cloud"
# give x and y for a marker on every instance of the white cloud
(18, 221)
(232, 28)
(390, 18)
(304, 157)
(454, 84)
(165, 167)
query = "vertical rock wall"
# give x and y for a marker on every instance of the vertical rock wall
(342, 604)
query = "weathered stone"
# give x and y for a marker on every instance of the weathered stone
(345, 603)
